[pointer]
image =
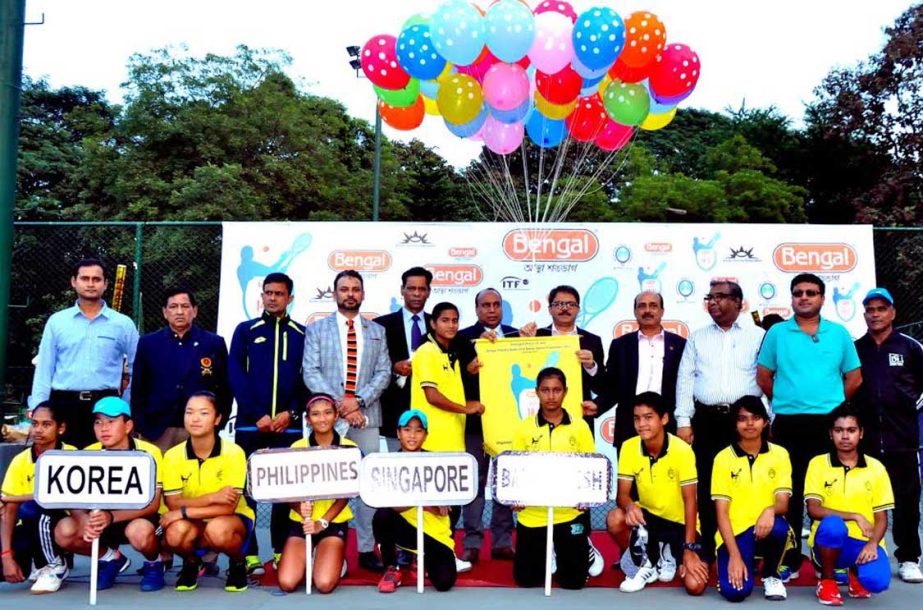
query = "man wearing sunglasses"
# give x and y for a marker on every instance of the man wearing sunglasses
(807, 366)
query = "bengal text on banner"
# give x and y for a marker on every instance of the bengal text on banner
(418, 479)
(310, 473)
(95, 479)
(551, 479)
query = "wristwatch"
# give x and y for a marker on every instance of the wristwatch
(360, 401)
(324, 524)
(695, 547)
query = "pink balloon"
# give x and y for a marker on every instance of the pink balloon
(478, 70)
(613, 136)
(379, 62)
(506, 86)
(557, 6)
(553, 48)
(502, 138)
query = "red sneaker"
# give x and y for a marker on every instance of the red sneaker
(856, 590)
(390, 581)
(828, 593)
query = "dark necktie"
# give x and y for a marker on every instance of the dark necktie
(352, 358)
(416, 335)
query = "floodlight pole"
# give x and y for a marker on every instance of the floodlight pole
(12, 24)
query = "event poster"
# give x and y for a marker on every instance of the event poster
(507, 382)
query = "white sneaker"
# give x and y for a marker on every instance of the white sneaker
(597, 563)
(666, 566)
(462, 566)
(343, 569)
(33, 575)
(773, 589)
(909, 571)
(646, 574)
(554, 562)
(49, 579)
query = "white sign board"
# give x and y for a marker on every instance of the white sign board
(551, 479)
(418, 479)
(118, 480)
(308, 473)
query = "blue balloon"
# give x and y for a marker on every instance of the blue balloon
(429, 88)
(471, 127)
(511, 116)
(417, 55)
(457, 31)
(510, 28)
(599, 37)
(586, 72)
(545, 132)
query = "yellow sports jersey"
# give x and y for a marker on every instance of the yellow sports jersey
(659, 480)
(20, 474)
(188, 476)
(864, 489)
(322, 506)
(435, 526)
(136, 444)
(749, 484)
(536, 434)
(433, 368)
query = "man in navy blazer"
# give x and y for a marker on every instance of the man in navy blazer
(402, 342)
(170, 365)
(646, 360)
(325, 366)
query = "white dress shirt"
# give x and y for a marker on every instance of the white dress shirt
(556, 333)
(718, 367)
(343, 327)
(650, 363)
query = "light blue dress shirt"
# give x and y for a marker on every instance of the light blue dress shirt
(79, 354)
(408, 323)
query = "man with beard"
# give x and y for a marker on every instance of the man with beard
(346, 356)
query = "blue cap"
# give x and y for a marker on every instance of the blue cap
(112, 406)
(878, 293)
(406, 416)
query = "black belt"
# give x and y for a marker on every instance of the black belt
(82, 395)
(721, 408)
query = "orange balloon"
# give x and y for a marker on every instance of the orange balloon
(403, 119)
(645, 38)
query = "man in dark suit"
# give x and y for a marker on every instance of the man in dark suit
(489, 309)
(170, 365)
(405, 331)
(646, 360)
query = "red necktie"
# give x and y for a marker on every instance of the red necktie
(352, 358)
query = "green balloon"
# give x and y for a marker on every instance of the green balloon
(400, 98)
(418, 19)
(627, 103)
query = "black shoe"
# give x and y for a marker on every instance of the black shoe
(404, 558)
(188, 578)
(237, 576)
(370, 561)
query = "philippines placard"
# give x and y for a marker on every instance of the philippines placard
(112, 480)
(551, 479)
(418, 479)
(305, 473)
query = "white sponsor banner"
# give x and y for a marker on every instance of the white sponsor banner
(418, 479)
(551, 479)
(95, 479)
(310, 473)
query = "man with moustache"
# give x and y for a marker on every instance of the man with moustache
(807, 367)
(718, 368)
(646, 360)
(346, 356)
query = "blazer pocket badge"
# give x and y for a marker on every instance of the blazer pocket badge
(206, 367)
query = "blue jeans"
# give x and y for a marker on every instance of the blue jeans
(833, 534)
(769, 548)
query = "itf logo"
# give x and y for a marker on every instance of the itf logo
(767, 291)
(685, 288)
(705, 256)
(649, 281)
(622, 255)
(844, 303)
(250, 269)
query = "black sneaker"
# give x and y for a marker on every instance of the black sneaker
(188, 578)
(237, 576)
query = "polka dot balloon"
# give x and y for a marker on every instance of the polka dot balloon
(460, 99)
(587, 120)
(645, 37)
(457, 31)
(675, 74)
(379, 63)
(417, 55)
(627, 103)
(510, 30)
(553, 47)
(599, 36)
(562, 8)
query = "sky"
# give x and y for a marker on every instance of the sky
(752, 51)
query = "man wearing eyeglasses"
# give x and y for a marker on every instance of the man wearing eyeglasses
(807, 366)
(718, 367)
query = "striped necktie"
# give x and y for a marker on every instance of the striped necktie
(352, 358)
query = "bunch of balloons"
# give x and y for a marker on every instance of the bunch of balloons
(510, 72)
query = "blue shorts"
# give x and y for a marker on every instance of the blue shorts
(833, 534)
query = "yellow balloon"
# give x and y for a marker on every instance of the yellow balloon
(603, 84)
(460, 99)
(430, 106)
(555, 112)
(449, 69)
(653, 122)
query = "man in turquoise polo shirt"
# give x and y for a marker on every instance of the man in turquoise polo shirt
(807, 366)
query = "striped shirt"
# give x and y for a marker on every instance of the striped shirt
(717, 367)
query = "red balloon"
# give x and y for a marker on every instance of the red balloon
(614, 136)
(627, 74)
(403, 119)
(587, 121)
(556, 6)
(478, 69)
(676, 72)
(560, 88)
(379, 63)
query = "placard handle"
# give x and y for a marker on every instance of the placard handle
(94, 569)
(419, 549)
(549, 549)
(308, 562)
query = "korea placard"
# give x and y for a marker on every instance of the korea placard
(114, 480)
(551, 479)
(418, 479)
(305, 473)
